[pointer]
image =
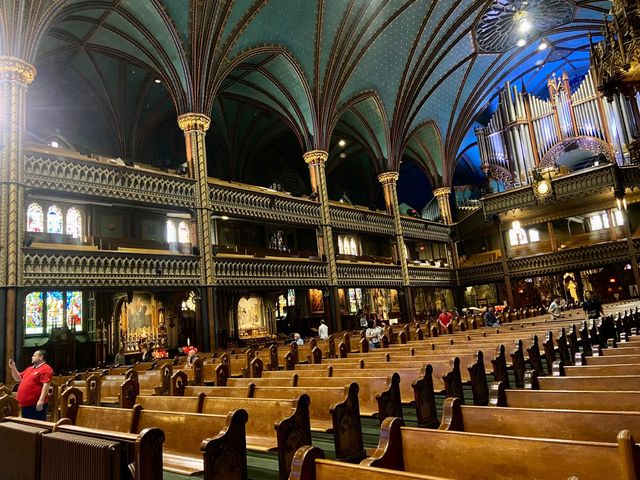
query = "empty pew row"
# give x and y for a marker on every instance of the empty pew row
(428, 454)
(279, 426)
(333, 410)
(194, 444)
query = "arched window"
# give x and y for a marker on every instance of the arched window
(35, 218)
(172, 234)
(74, 222)
(183, 232)
(74, 310)
(34, 313)
(340, 245)
(54, 220)
(54, 310)
(354, 246)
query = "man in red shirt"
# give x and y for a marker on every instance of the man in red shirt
(444, 319)
(33, 391)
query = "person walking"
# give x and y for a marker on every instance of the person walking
(33, 391)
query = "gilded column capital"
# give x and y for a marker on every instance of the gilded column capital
(388, 178)
(194, 121)
(441, 192)
(315, 157)
(12, 68)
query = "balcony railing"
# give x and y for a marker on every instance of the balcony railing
(69, 268)
(50, 170)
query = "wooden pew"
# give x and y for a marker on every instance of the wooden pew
(587, 426)
(118, 390)
(195, 443)
(9, 406)
(628, 401)
(438, 452)
(142, 453)
(273, 425)
(333, 410)
(309, 464)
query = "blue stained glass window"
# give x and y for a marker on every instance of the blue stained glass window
(54, 220)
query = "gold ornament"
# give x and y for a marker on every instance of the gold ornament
(12, 68)
(194, 121)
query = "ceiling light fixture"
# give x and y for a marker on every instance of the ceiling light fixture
(543, 45)
(342, 143)
(521, 42)
(157, 80)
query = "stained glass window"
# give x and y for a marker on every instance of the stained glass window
(33, 313)
(74, 222)
(74, 310)
(35, 218)
(172, 233)
(183, 232)
(54, 220)
(54, 310)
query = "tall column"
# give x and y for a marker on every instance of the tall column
(15, 76)
(442, 195)
(389, 182)
(504, 258)
(316, 160)
(195, 126)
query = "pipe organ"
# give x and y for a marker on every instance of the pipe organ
(527, 133)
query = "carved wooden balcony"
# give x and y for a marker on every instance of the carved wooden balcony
(73, 268)
(367, 275)
(426, 276)
(48, 169)
(269, 272)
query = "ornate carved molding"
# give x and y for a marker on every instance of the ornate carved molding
(93, 179)
(268, 273)
(194, 121)
(488, 272)
(262, 205)
(582, 257)
(516, 198)
(349, 218)
(584, 183)
(431, 277)
(15, 69)
(369, 275)
(388, 178)
(109, 269)
(315, 156)
(630, 177)
(424, 230)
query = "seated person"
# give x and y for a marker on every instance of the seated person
(374, 335)
(444, 319)
(592, 306)
(554, 309)
(298, 339)
(120, 359)
(490, 319)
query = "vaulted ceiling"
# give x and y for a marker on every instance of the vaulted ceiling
(398, 79)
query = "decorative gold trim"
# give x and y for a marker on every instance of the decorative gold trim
(388, 177)
(194, 121)
(315, 156)
(441, 192)
(12, 68)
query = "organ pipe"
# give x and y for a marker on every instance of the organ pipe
(524, 128)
